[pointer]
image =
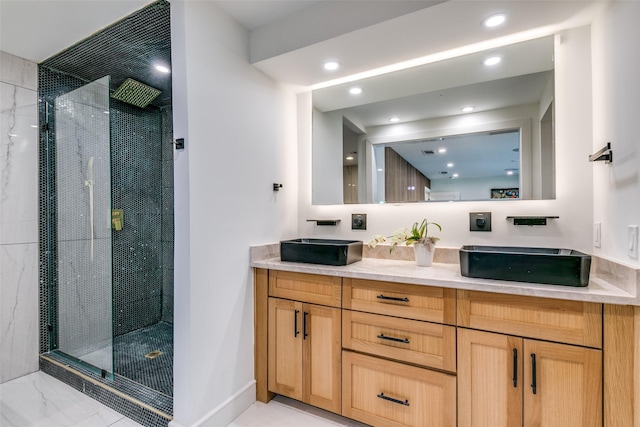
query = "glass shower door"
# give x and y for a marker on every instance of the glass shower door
(83, 195)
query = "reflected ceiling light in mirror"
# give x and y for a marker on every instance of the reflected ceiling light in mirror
(331, 65)
(467, 109)
(494, 20)
(162, 68)
(355, 90)
(449, 165)
(442, 150)
(455, 175)
(492, 60)
(394, 119)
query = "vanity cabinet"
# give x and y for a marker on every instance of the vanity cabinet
(507, 380)
(304, 342)
(396, 354)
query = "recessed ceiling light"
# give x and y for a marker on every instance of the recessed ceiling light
(162, 69)
(442, 150)
(449, 165)
(331, 65)
(349, 157)
(467, 109)
(355, 90)
(492, 60)
(495, 20)
(380, 170)
(455, 175)
(394, 119)
(34, 126)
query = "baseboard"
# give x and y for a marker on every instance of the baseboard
(227, 411)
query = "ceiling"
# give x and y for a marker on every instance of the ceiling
(289, 40)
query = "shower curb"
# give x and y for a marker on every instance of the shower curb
(151, 409)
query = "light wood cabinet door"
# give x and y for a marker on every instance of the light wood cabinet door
(489, 379)
(541, 384)
(383, 393)
(322, 369)
(563, 385)
(285, 348)
(304, 353)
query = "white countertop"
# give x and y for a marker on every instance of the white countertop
(448, 276)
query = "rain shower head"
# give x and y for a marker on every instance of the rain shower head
(135, 93)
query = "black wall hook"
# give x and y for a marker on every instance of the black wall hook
(276, 186)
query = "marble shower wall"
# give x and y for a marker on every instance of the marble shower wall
(19, 327)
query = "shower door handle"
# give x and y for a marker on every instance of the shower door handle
(89, 183)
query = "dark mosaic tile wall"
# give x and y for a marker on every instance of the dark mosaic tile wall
(167, 214)
(142, 185)
(136, 186)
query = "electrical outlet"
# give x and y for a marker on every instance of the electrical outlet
(358, 221)
(632, 245)
(479, 221)
(597, 236)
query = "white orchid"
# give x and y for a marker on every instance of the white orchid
(418, 234)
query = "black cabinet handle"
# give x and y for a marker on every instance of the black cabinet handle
(515, 367)
(304, 326)
(405, 299)
(391, 399)
(295, 323)
(533, 373)
(402, 340)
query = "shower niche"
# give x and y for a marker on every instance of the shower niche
(106, 214)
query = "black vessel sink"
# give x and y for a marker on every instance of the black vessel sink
(534, 265)
(321, 251)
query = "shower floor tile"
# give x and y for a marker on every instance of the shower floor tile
(145, 356)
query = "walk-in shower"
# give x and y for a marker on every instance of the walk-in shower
(106, 214)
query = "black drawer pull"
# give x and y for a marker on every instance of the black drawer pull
(304, 326)
(402, 340)
(391, 399)
(405, 299)
(533, 374)
(515, 367)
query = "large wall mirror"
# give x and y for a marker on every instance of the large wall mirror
(456, 129)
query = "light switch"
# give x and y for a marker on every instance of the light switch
(597, 236)
(632, 236)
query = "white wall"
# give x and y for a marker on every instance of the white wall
(616, 107)
(18, 217)
(240, 129)
(574, 199)
(327, 130)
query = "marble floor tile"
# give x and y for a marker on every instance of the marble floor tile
(283, 412)
(39, 400)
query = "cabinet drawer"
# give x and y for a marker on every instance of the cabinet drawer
(429, 303)
(571, 322)
(421, 343)
(390, 394)
(311, 288)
